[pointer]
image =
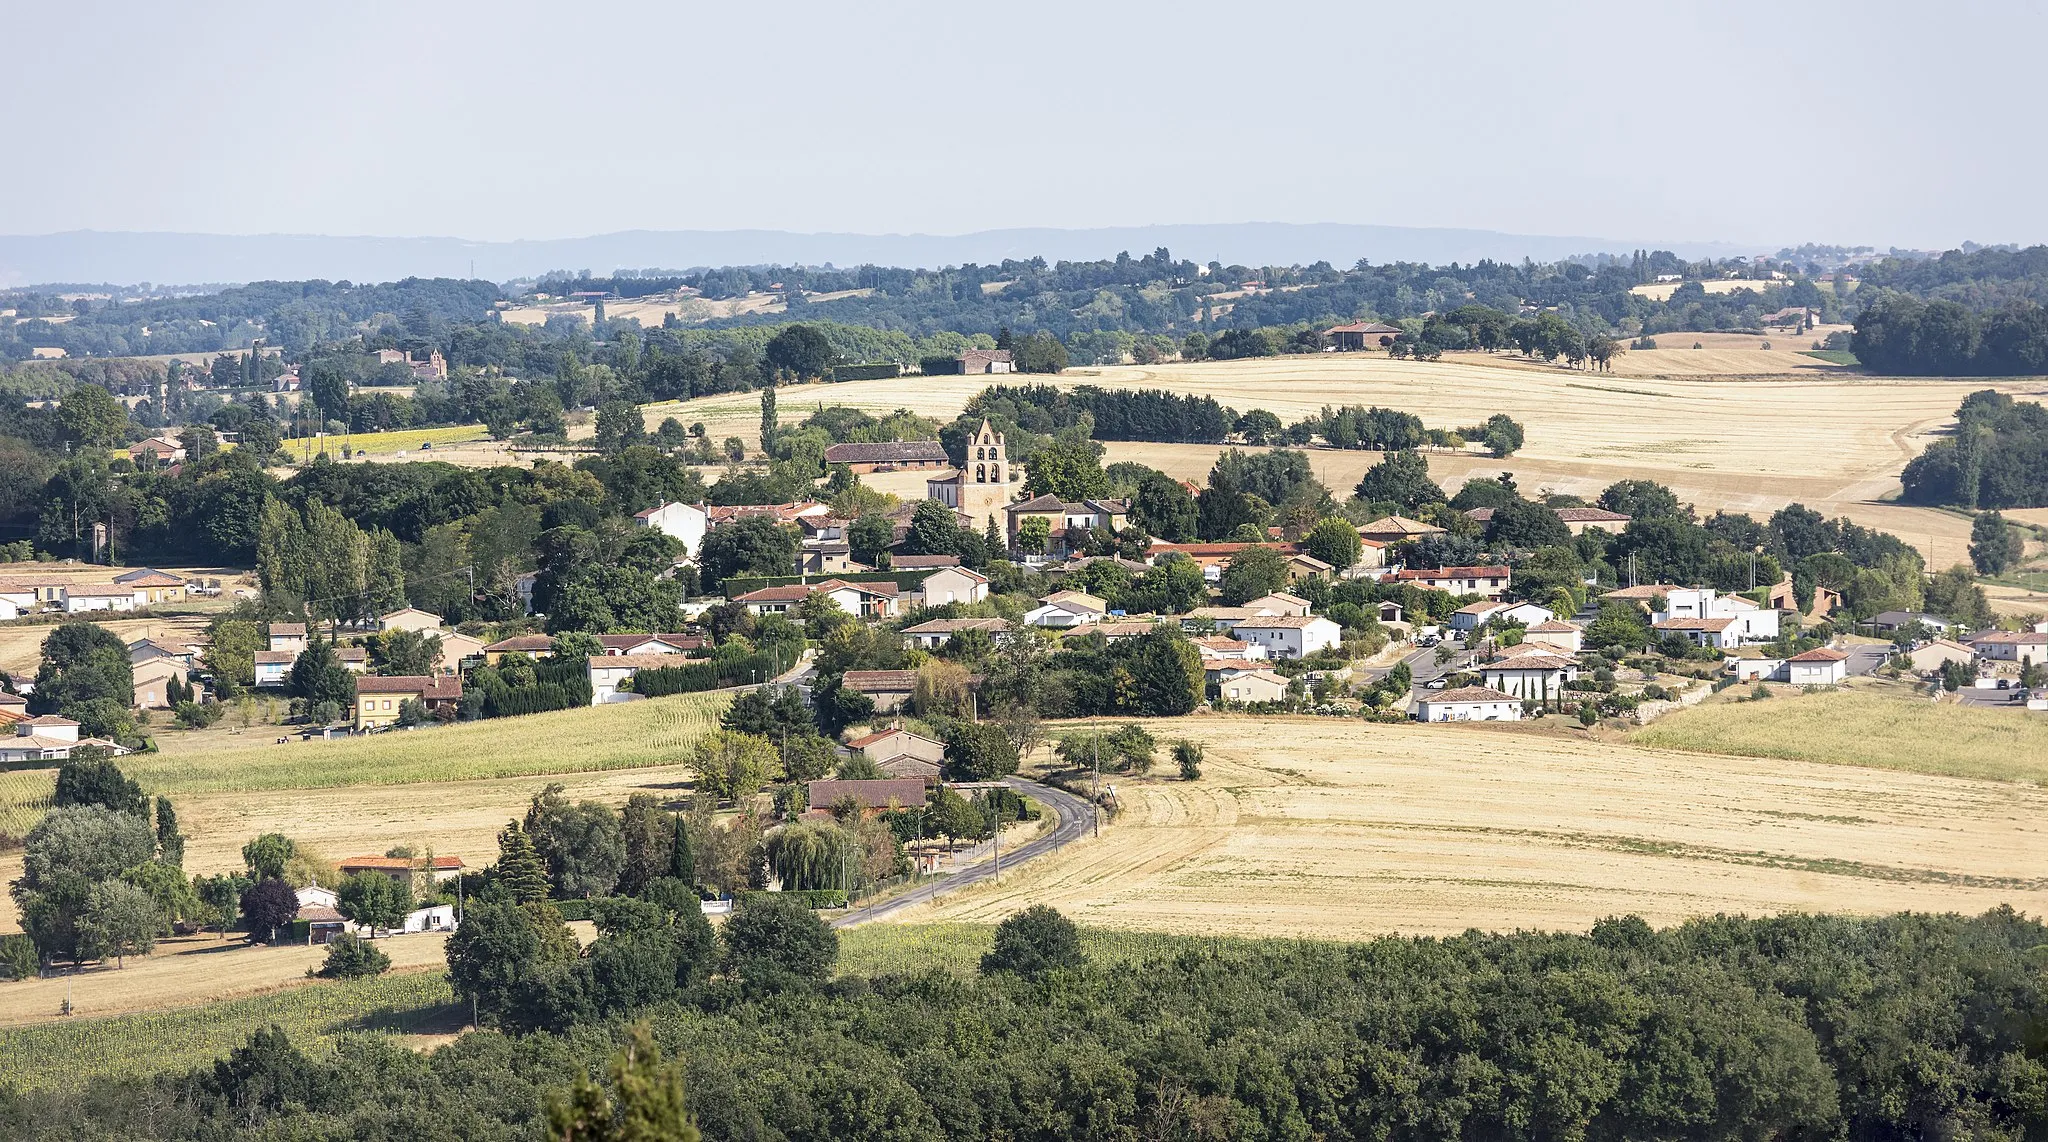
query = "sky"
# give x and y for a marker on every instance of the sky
(1871, 123)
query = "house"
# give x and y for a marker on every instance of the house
(32, 594)
(531, 645)
(156, 452)
(652, 643)
(827, 558)
(1889, 622)
(790, 513)
(149, 649)
(1301, 565)
(1290, 636)
(410, 618)
(1392, 529)
(1826, 600)
(1468, 704)
(1250, 686)
(323, 923)
(1821, 667)
(1361, 335)
(1118, 631)
(2011, 646)
(952, 585)
(1562, 635)
(889, 456)
(153, 682)
(876, 600)
(1372, 559)
(934, 633)
(1472, 616)
(922, 562)
(1067, 522)
(80, 598)
(1213, 558)
(1534, 676)
(1488, 582)
(685, 523)
(1580, 520)
(287, 636)
(1224, 619)
(403, 869)
(156, 586)
(48, 738)
(889, 690)
(353, 659)
(981, 487)
(1751, 664)
(457, 648)
(775, 600)
(274, 667)
(432, 918)
(872, 795)
(13, 708)
(1391, 612)
(1217, 648)
(1719, 634)
(1064, 610)
(901, 754)
(1939, 653)
(610, 675)
(973, 361)
(1527, 614)
(1749, 622)
(379, 700)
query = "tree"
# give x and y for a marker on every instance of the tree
(647, 841)
(406, 653)
(1163, 508)
(349, 957)
(269, 905)
(1070, 467)
(318, 676)
(85, 676)
(1642, 499)
(374, 900)
(802, 351)
(520, 870)
(756, 545)
(231, 656)
(120, 920)
(515, 962)
(733, 766)
(682, 863)
(1165, 672)
(1033, 535)
(1034, 942)
(1252, 572)
(1401, 479)
(769, 425)
(1334, 541)
(581, 843)
(91, 778)
(1522, 524)
(651, 1106)
(619, 427)
(92, 417)
(1223, 508)
(69, 851)
(954, 816)
(773, 943)
(170, 843)
(1994, 546)
(1040, 352)
(266, 855)
(1188, 756)
(979, 751)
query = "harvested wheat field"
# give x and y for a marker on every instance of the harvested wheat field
(21, 644)
(1330, 828)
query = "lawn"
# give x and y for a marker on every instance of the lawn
(1852, 728)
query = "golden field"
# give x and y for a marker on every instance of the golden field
(405, 440)
(1336, 829)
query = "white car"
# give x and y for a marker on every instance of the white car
(1434, 684)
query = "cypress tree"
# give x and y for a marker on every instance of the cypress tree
(520, 868)
(169, 841)
(681, 863)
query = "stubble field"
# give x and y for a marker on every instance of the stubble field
(1333, 829)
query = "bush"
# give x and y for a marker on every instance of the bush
(808, 897)
(1033, 942)
(1188, 756)
(18, 957)
(351, 957)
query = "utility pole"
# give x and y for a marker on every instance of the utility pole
(996, 814)
(1095, 797)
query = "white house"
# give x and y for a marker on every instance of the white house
(1064, 610)
(1472, 616)
(2011, 645)
(1489, 582)
(1751, 622)
(685, 523)
(1822, 667)
(1252, 686)
(84, 597)
(287, 636)
(934, 633)
(774, 600)
(1720, 634)
(610, 672)
(953, 585)
(1290, 636)
(1531, 676)
(1761, 669)
(48, 738)
(433, 918)
(1468, 704)
(867, 600)
(274, 667)
(1220, 648)
(1562, 635)
(1282, 603)
(409, 618)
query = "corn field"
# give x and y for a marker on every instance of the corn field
(24, 794)
(70, 1054)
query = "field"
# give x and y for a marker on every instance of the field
(1662, 291)
(1861, 728)
(408, 440)
(21, 643)
(1333, 829)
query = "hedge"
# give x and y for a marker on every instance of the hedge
(660, 681)
(868, 372)
(808, 897)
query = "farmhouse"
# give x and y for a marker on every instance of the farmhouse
(1290, 636)
(1581, 520)
(685, 523)
(379, 701)
(1359, 335)
(934, 633)
(900, 753)
(952, 585)
(156, 586)
(889, 690)
(1530, 676)
(1489, 582)
(889, 456)
(1252, 686)
(1468, 704)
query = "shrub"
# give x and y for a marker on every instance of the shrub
(350, 957)
(18, 957)
(1188, 756)
(1033, 942)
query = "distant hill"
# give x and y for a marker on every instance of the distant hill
(172, 258)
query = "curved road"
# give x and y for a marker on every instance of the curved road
(1076, 818)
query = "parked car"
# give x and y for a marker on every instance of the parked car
(1434, 684)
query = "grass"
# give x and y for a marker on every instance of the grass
(1832, 356)
(409, 440)
(1851, 728)
(627, 735)
(70, 1054)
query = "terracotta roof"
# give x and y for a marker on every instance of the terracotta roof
(1819, 654)
(1218, 642)
(1482, 515)
(1645, 591)
(408, 611)
(790, 593)
(2012, 637)
(1466, 694)
(525, 642)
(99, 590)
(1287, 622)
(679, 641)
(1364, 327)
(354, 653)
(286, 628)
(922, 562)
(880, 681)
(1553, 626)
(1590, 515)
(385, 862)
(1695, 624)
(885, 452)
(50, 720)
(276, 657)
(905, 765)
(885, 589)
(872, 793)
(1482, 607)
(1458, 573)
(951, 626)
(440, 687)
(1530, 661)
(1398, 525)
(319, 914)
(636, 661)
(1132, 629)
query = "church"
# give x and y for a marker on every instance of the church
(981, 488)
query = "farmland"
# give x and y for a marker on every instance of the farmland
(1330, 829)
(407, 440)
(1864, 728)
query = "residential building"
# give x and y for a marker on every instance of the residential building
(457, 648)
(872, 795)
(379, 700)
(1752, 665)
(155, 586)
(1224, 619)
(148, 649)
(1213, 558)
(1290, 636)
(1826, 600)
(156, 452)
(403, 869)
(922, 562)
(1118, 631)
(1391, 612)
(1562, 635)
(610, 675)
(889, 456)
(876, 600)
(1720, 634)
(1064, 610)
(1938, 653)
(1468, 704)
(1580, 520)
(353, 659)
(274, 668)
(1218, 648)
(1067, 523)
(775, 600)
(827, 558)
(1251, 686)
(685, 523)
(1889, 622)
(1301, 565)
(1534, 676)
(1392, 529)
(899, 753)
(1488, 582)
(2011, 646)
(889, 690)
(934, 633)
(287, 636)
(981, 487)
(531, 645)
(1822, 667)
(410, 618)
(1357, 336)
(1282, 604)
(153, 682)
(1750, 623)
(1472, 616)
(80, 598)
(952, 585)
(48, 738)
(652, 643)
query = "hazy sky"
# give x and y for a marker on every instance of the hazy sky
(1880, 123)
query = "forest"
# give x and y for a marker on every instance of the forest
(1998, 457)
(1793, 1027)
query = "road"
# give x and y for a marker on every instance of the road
(1076, 818)
(1866, 659)
(1422, 664)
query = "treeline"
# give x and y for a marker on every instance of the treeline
(1115, 414)
(1900, 333)
(1998, 457)
(661, 681)
(518, 685)
(1795, 1027)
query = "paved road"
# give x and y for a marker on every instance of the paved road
(1866, 659)
(1422, 664)
(1076, 819)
